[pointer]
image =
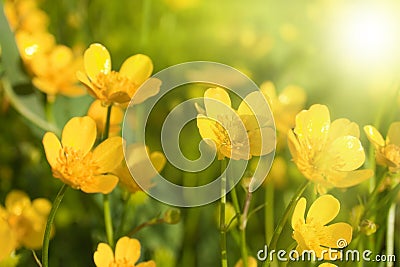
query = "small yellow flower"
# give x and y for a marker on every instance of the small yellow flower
(73, 162)
(387, 151)
(137, 157)
(284, 106)
(98, 113)
(55, 72)
(327, 153)
(236, 134)
(251, 262)
(111, 86)
(313, 234)
(127, 253)
(22, 222)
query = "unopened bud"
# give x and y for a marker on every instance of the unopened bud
(172, 216)
(368, 227)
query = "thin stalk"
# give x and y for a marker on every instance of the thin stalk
(106, 200)
(269, 211)
(285, 217)
(390, 233)
(50, 219)
(222, 226)
(242, 228)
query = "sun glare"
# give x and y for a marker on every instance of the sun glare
(368, 34)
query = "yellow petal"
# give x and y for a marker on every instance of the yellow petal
(79, 133)
(41, 206)
(84, 79)
(101, 184)
(374, 136)
(216, 102)
(342, 127)
(158, 160)
(149, 89)
(298, 213)
(52, 147)
(323, 210)
(9, 242)
(312, 127)
(269, 92)
(337, 235)
(262, 141)
(109, 154)
(348, 179)
(256, 105)
(327, 264)
(127, 249)
(16, 201)
(293, 145)
(96, 59)
(206, 126)
(393, 135)
(345, 154)
(147, 264)
(61, 57)
(137, 68)
(104, 256)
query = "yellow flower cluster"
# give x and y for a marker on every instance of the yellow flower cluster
(22, 222)
(42, 56)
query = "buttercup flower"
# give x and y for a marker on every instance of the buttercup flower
(236, 134)
(111, 86)
(55, 72)
(73, 162)
(387, 151)
(284, 106)
(22, 222)
(327, 153)
(127, 253)
(137, 157)
(313, 233)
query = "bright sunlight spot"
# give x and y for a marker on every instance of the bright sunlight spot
(367, 34)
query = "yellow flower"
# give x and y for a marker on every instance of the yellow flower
(22, 222)
(30, 45)
(137, 158)
(127, 253)
(73, 162)
(284, 106)
(111, 86)
(98, 113)
(327, 264)
(236, 134)
(313, 234)
(251, 262)
(387, 151)
(55, 72)
(327, 153)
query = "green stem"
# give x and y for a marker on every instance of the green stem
(390, 233)
(25, 111)
(243, 224)
(106, 200)
(108, 220)
(285, 217)
(50, 219)
(222, 226)
(146, 9)
(49, 110)
(269, 211)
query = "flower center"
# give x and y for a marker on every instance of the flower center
(75, 168)
(113, 82)
(309, 235)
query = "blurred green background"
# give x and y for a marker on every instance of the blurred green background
(329, 48)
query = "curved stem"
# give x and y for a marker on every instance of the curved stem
(390, 233)
(269, 211)
(222, 225)
(50, 219)
(285, 217)
(25, 111)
